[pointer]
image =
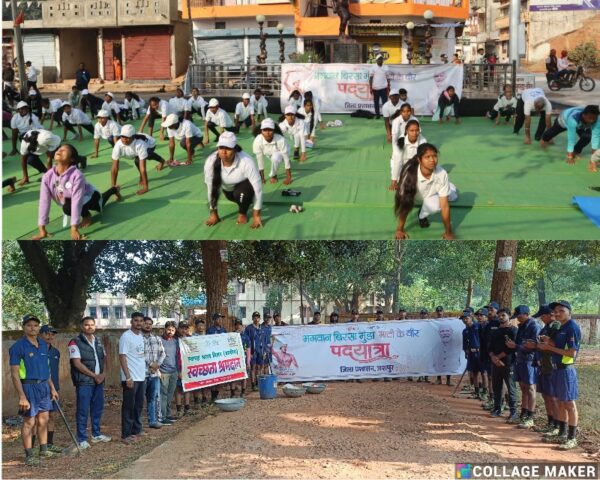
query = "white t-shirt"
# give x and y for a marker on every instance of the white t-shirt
(53, 106)
(221, 118)
(32, 74)
(243, 168)
(186, 130)
(111, 129)
(47, 142)
(401, 157)
(528, 96)
(77, 117)
(380, 76)
(178, 104)
(504, 102)
(297, 104)
(75, 353)
(399, 127)
(132, 346)
(163, 109)
(389, 108)
(292, 130)
(136, 149)
(260, 105)
(197, 103)
(26, 123)
(244, 111)
(437, 184)
(308, 118)
(113, 106)
(562, 63)
(261, 149)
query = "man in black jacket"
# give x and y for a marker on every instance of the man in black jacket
(503, 359)
(88, 363)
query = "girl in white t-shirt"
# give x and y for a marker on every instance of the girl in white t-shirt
(406, 148)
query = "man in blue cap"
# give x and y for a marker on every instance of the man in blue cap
(564, 347)
(30, 373)
(525, 372)
(47, 333)
(544, 364)
(471, 347)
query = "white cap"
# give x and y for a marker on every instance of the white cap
(227, 139)
(379, 55)
(394, 91)
(246, 96)
(103, 114)
(267, 123)
(171, 120)
(127, 131)
(66, 103)
(109, 94)
(32, 91)
(290, 109)
(22, 104)
(85, 91)
(213, 102)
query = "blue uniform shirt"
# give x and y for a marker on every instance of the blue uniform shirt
(33, 362)
(571, 120)
(528, 330)
(214, 330)
(54, 355)
(568, 337)
(471, 337)
(252, 332)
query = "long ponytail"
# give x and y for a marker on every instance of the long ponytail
(215, 188)
(406, 190)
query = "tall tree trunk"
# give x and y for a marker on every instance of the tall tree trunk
(215, 277)
(400, 247)
(355, 298)
(502, 281)
(469, 292)
(387, 302)
(541, 290)
(65, 291)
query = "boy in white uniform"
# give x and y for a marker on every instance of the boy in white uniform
(106, 129)
(178, 103)
(272, 145)
(389, 108)
(294, 127)
(188, 134)
(195, 104)
(217, 120)
(111, 106)
(53, 108)
(21, 123)
(259, 104)
(157, 108)
(244, 113)
(72, 117)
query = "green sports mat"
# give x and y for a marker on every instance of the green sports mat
(506, 190)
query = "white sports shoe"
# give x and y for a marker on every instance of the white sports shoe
(101, 438)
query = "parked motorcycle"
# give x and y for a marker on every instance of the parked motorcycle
(586, 83)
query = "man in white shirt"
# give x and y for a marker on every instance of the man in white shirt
(178, 103)
(110, 105)
(272, 145)
(294, 127)
(73, 117)
(244, 113)
(157, 108)
(106, 129)
(21, 123)
(32, 74)
(379, 83)
(188, 134)
(195, 104)
(52, 108)
(133, 376)
(217, 121)
(533, 100)
(389, 108)
(259, 104)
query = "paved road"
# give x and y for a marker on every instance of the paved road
(573, 97)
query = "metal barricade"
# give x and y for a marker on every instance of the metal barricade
(483, 80)
(222, 79)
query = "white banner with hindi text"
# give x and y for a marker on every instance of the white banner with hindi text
(368, 350)
(344, 87)
(208, 360)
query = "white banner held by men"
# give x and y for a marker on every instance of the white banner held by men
(344, 87)
(208, 360)
(368, 350)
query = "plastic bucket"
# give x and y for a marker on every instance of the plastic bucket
(267, 386)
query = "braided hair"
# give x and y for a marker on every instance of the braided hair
(406, 190)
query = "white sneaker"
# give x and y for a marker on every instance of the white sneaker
(101, 438)
(84, 445)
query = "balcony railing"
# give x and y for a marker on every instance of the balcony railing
(229, 3)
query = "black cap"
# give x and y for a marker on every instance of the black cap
(183, 323)
(379, 311)
(562, 303)
(276, 314)
(483, 311)
(439, 308)
(317, 313)
(466, 312)
(424, 311)
(217, 316)
(256, 314)
(334, 314)
(238, 322)
(48, 329)
(28, 318)
(198, 320)
(520, 310)
(543, 310)
(493, 305)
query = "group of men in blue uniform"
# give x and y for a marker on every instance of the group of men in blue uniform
(539, 354)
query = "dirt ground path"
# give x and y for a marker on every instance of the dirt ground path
(368, 430)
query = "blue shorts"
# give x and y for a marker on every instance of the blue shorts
(38, 396)
(544, 384)
(565, 384)
(473, 362)
(525, 373)
(485, 364)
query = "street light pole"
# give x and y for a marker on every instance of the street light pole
(281, 43)
(515, 19)
(18, 41)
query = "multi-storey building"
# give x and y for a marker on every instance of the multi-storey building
(227, 30)
(148, 37)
